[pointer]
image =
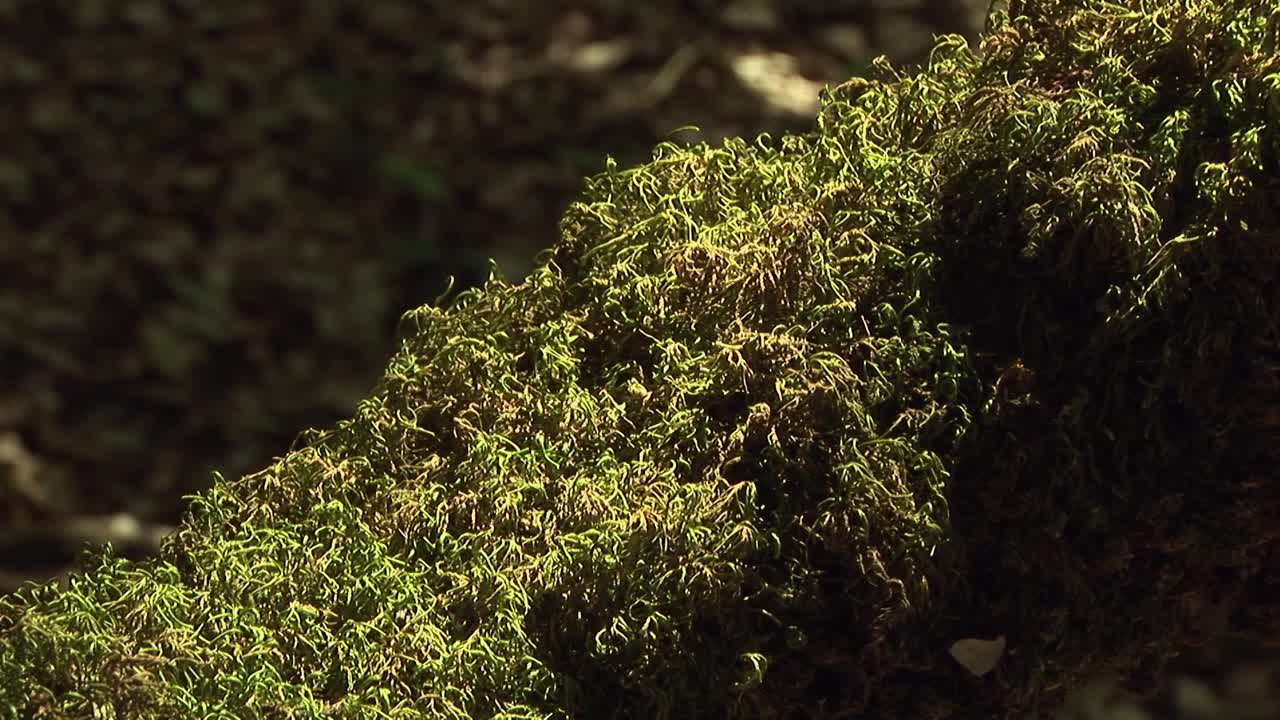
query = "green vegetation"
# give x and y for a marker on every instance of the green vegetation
(994, 351)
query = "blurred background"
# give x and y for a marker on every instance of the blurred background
(213, 214)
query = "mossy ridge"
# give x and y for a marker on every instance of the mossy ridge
(776, 422)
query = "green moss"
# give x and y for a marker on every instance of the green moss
(776, 422)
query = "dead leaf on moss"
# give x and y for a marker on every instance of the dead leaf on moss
(978, 656)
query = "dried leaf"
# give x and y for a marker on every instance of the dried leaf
(978, 656)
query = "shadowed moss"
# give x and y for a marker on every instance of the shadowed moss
(993, 351)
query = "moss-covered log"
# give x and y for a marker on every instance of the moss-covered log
(992, 352)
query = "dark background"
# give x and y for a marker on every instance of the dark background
(213, 214)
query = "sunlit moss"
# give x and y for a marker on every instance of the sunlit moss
(992, 352)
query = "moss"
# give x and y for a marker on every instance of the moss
(776, 422)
